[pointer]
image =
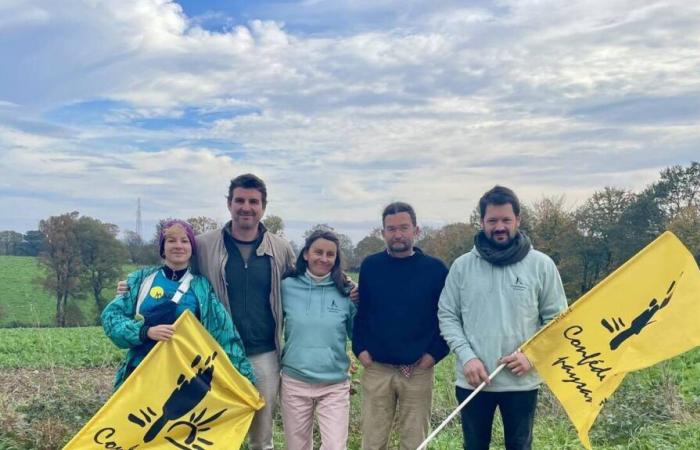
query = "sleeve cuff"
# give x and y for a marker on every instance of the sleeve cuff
(464, 355)
(143, 334)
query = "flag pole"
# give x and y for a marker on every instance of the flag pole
(444, 423)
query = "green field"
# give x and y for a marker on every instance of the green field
(52, 380)
(24, 302)
(46, 348)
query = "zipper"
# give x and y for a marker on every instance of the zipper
(245, 295)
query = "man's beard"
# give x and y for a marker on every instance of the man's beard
(502, 244)
(404, 246)
(246, 224)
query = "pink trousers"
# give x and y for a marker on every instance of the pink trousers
(331, 403)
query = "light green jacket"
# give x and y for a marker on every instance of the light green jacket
(487, 311)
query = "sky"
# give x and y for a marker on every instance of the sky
(340, 106)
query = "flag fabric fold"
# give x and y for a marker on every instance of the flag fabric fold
(643, 313)
(185, 394)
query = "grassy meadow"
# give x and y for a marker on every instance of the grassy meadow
(25, 303)
(53, 380)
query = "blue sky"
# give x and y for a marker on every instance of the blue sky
(341, 106)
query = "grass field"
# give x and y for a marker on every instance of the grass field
(23, 302)
(52, 380)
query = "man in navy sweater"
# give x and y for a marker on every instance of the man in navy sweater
(396, 335)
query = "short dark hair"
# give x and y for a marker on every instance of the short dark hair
(248, 181)
(399, 207)
(340, 281)
(499, 195)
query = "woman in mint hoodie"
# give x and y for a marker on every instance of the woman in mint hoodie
(317, 322)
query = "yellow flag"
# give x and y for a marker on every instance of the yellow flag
(185, 394)
(645, 312)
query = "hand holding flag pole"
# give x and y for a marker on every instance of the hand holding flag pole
(444, 423)
(574, 353)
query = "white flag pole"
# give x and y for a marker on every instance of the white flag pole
(424, 444)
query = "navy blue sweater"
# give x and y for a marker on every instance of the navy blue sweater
(396, 320)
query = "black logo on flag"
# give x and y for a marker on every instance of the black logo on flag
(188, 393)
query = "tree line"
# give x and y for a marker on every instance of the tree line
(82, 255)
(587, 242)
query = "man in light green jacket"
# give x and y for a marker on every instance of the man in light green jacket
(496, 296)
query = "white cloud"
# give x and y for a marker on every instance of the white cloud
(434, 107)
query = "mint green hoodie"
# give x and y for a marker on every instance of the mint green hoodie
(487, 311)
(317, 323)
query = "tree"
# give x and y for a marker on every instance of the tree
(274, 224)
(686, 225)
(101, 256)
(641, 222)
(678, 188)
(138, 251)
(448, 242)
(372, 243)
(603, 244)
(202, 224)
(61, 258)
(553, 231)
(10, 242)
(32, 243)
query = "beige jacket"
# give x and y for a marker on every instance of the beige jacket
(211, 262)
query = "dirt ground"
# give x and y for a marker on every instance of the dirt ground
(27, 384)
(43, 408)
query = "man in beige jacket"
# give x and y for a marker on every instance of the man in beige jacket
(245, 263)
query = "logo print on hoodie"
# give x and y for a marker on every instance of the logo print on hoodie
(333, 307)
(519, 285)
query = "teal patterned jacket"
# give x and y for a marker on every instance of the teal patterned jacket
(121, 327)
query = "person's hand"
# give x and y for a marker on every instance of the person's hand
(365, 358)
(426, 361)
(161, 332)
(122, 287)
(475, 372)
(355, 294)
(517, 363)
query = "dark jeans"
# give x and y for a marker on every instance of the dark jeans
(517, 411)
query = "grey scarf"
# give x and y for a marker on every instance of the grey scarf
(503, 256)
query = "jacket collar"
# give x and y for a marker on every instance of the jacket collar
(265, 247)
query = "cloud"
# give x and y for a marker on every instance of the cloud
(342, 106)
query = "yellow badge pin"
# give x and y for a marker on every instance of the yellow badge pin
(156, 292)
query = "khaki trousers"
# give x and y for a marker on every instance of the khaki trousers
(384, 388)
